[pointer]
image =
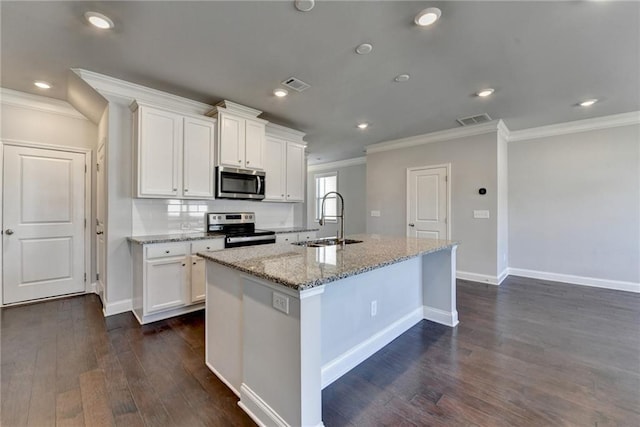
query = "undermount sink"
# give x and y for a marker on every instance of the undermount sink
(320, 243)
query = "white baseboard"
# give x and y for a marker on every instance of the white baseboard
(440, 316)
(223, 379)
(111, 308)
(503, 275)
(359, 353)
(577, 280)
(258, 409)
(475, 277)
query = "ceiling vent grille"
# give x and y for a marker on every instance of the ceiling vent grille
(296, 84)
(474, 120)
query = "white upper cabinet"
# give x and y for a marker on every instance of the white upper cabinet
(159, 135)
(174, 154)
(254, 144)
(295, 172)
(275, 155)
(241, 136)
(284, 165)
(198, 154)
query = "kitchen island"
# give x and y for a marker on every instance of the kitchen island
(285, 321)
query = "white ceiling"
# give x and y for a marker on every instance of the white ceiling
(541, 57)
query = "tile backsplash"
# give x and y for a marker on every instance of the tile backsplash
(158, 216)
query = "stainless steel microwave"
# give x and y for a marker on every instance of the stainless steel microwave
(233, 183)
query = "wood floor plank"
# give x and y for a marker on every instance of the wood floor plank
(95, 400)
(69, 411)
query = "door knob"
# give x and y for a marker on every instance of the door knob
(412, 225)
(9, 231)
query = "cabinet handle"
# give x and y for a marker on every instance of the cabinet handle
(247, 161)
(186, 189)
(166, 252)
(288, 195)
(282, 195)
(175, 189)
(208, 247)
(194, 263)
(239, 161)
(184, 265)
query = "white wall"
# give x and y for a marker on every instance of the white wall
(574, 204)
(352, 183)
(473, 165)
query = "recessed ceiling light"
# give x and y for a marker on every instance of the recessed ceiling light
(485, 92)
(304, 5)
(364, 48)
(363, 125)
(588, 102)
(42, 84)
(401, 78)
(99, 20)
(280, 93)
(427, 16)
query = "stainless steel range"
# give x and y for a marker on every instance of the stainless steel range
(240, 229)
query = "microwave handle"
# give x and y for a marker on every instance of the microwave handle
(259, 184)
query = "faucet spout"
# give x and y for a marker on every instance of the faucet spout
(341, 216)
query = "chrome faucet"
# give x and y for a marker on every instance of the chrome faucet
(341, 216)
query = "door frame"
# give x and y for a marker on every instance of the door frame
(89, 284)
(447, 166)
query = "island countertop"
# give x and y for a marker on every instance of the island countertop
(301, 267)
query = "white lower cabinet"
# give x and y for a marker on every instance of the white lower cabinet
(295, 237)
(169, 278)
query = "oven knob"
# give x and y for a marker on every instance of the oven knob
(250, 216)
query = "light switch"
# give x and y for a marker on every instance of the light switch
(481, 214)
(375, 213)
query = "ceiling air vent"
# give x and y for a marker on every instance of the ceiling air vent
(296, 84)
(474, 120)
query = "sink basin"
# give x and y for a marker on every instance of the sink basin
(320, 243)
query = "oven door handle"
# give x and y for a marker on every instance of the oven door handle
(250, 238)
(259, 184)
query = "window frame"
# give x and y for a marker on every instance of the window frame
(318, 198)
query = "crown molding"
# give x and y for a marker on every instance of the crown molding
(289, 134)
(339, 164)
(112, 87)
(586, 125)
(38, 103)
(233, 107)
(444, 135)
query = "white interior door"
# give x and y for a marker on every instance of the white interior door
(428, 202)
(101, 214)
(44, 214)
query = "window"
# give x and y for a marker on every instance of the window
(326, 182)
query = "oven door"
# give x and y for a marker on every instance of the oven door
(235, 183)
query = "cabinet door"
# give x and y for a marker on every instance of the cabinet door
(198, 280)
(198, 155)
(295, 172)
(159, 143)
(231, 144)
(165, 283)
(275, 174)
(254, 144)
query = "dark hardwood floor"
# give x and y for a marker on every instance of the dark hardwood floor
(527, 353)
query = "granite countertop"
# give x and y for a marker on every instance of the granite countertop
(301, 267)
(176, 237)
(291, 229)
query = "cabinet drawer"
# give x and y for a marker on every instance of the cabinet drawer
(287, 238)
(207, 245)
(168, 250)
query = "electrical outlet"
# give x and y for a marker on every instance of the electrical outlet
(374, 308)
(483, 214)
(185, 226)
(375, 213)
(281, 302)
